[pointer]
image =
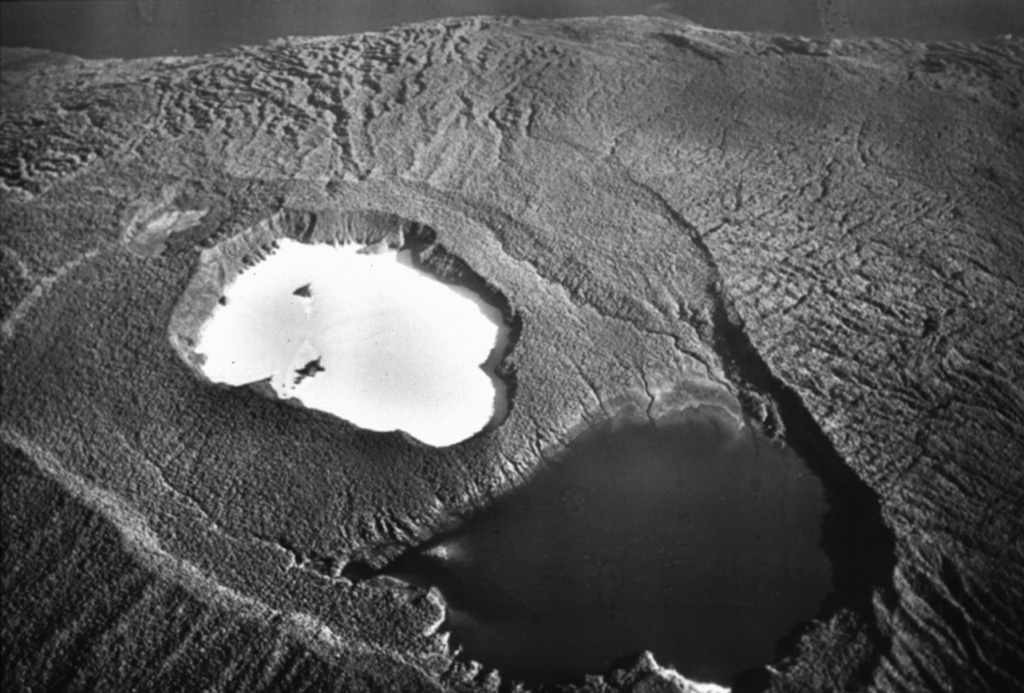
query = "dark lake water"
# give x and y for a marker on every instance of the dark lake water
(696, 540)
(137, 28)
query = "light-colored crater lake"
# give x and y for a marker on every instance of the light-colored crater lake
(366, 336)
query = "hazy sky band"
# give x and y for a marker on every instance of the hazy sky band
(141, 28)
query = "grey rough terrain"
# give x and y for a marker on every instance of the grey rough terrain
(826, 235)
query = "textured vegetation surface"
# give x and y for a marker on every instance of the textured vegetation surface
(824, 236)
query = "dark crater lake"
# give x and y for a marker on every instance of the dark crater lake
(698, 540)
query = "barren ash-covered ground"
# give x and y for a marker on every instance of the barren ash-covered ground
(821, 239)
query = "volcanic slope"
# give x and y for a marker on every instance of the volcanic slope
(822, 236)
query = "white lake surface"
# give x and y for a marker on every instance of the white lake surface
(398, 349)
